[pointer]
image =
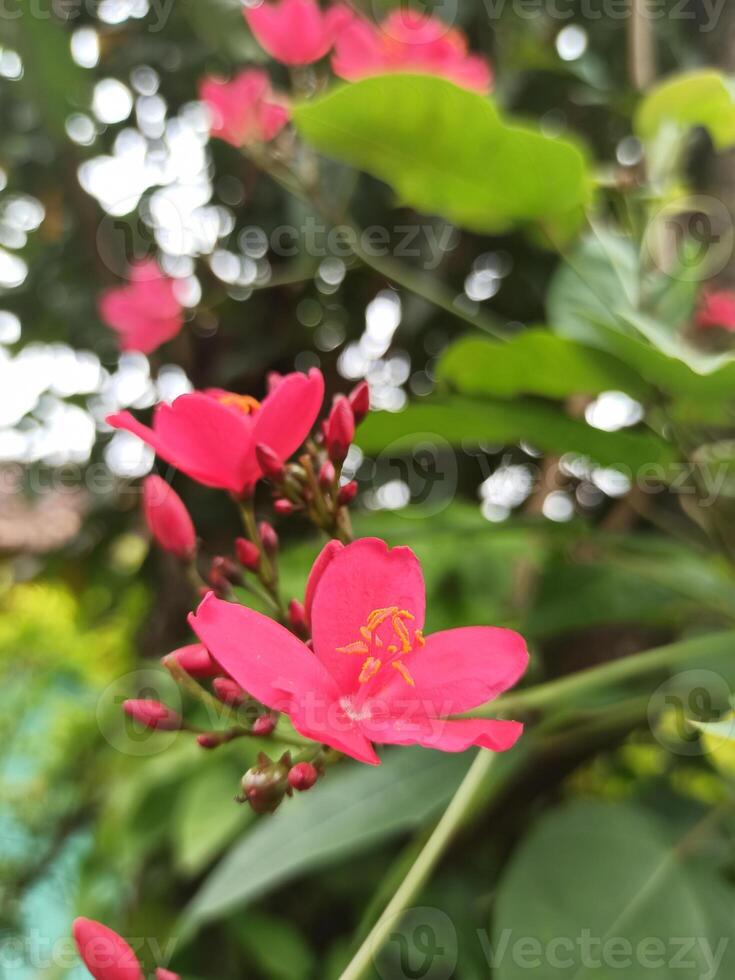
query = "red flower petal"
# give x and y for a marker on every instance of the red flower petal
(330, 549)
(105, 954)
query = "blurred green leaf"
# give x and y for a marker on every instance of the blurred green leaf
(350, 812)
(465, 421)
(639, 891)
(446, 151)
(536, 362)
(275, 946)
(695, 98)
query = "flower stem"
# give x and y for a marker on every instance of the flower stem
(423, 866)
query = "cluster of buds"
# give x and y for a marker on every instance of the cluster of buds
(266, 784)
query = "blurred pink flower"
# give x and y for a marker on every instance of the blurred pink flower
(146, 312)
(408, 41)
(245, 109)
(107, 956)
(211, 435)
(717, 309)
(295, 32)
(372, 675)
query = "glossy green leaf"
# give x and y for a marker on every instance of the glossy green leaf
(465, 421)
(536, 362)
(350, 812)
(446, 151)
(693, 98)
(637, 891)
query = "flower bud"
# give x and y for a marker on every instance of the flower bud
(248, 554)
(264, 725)
(283, 507)
(359, 399)
(270, 463)
(162, 974)
(103, 952)
(152, 714)
(225, 568)
(268, 536)
(326, 475)
(194, 659)
(302, 776)
(209, 740)
(265, 785)
(228, 691)
(347, 494)
(340, 429)
(168, 519)
(297, 615)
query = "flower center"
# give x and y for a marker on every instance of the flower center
(386, 638)
(243, 403)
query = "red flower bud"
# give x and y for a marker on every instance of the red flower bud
(268, 536)
(326, 475)
(194, 659)
(297, 615)
(283, 507)
(105, 954)
(340, 429)
(302, 776)
(248, 554)
(152, 714)
(265, 785)
(270, 463)
(228, 691)
(162, 974)
(347, 494)
(359, 399)
(167, 518)
(225, 568)
(209, 740)
(264, 725)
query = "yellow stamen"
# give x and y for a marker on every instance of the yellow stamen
(358, 647)
(402, 633)
(244, 403)
(403, 671)
(418, 637)
(369, 669)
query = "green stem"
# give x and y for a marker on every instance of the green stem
(583, 682)
(423, 866)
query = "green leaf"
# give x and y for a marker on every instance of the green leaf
(693, 98)
(206, 817)
(350, 812)
(536, 362)
(638, 891)
(279, 951)
(446, 151)
(465, 421)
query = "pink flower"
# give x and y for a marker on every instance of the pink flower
(243, 110)
(295, 32)
(211, 436)
(152, 714)
(373, 676)
(144, 313)
(407, 41)
(107, 956)
(167, 518)
(717, 309)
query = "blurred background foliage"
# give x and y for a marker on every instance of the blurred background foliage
(104, 156)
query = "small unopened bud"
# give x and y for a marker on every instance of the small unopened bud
(227, 569)
(162, 974)
(302, 776)
(297, 615)
(153, 714)
(283, 507)
(268, 536)
(264, 725)
(265, 785)
(248, 554)
(168, 519)
(326, 475)
(194, 659)
(347, 494)
(270, 463)
(228, 691)
(340, 429)
(359, 399)
(209, 740)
